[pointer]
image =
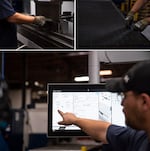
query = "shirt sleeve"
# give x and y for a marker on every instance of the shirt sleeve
(121, 138)
(6, 9)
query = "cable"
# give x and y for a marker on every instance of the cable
(3, 66)
(106, 55)
(21, 47)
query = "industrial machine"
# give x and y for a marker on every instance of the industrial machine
(57, 31)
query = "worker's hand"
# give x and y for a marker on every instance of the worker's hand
(39, 20)
(68, 118)
(140, 25)
(129, 19)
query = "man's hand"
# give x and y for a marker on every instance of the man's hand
(129, 19)
(68, 118)
(140, 25)
(39, 20)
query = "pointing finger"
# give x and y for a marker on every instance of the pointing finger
(60, 112)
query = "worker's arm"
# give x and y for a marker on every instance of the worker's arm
(138, 5)
(141, 24)
(20, 18)
(130, 16)
(94, 128)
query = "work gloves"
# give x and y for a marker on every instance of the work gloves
(129, 19)
(138, 26)
(39, 20)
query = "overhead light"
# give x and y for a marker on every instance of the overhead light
(81, 79)
(105, 72)
(86, 78)
(36, 83)
(27, 83)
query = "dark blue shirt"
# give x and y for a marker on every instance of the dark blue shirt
(8, 34)
(3, 144)
(127, 139)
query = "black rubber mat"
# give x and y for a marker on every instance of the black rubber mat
(100, 24)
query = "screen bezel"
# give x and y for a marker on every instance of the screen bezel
(68, 87)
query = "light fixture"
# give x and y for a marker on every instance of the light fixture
(81, 79)
(105, 72)
(27, 83)
(36, 83)
(86, 78)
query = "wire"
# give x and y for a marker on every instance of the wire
(106, 55)
(21, 47)
(3, 66)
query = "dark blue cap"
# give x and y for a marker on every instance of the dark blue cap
(136, 79)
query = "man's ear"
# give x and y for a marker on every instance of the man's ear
(145, 98)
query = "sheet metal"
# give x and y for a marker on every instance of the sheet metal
(100, 24)
(44, 38)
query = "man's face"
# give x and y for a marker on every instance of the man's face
(133, 116)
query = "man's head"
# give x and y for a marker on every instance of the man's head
(135, 85)
(137, 79)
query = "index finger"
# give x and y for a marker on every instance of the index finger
(60, 112)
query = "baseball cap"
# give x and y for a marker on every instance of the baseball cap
(136, 79)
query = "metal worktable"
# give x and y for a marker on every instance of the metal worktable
(43, 38)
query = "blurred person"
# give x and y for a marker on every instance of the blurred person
(135, 87)
(5, 115)
(8, 20)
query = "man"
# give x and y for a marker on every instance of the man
(141, 24)
(135, 85)
(8, 18)
(5, 115)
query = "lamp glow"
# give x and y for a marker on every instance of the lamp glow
(81, 79)
(86, 78)
(105, 72)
